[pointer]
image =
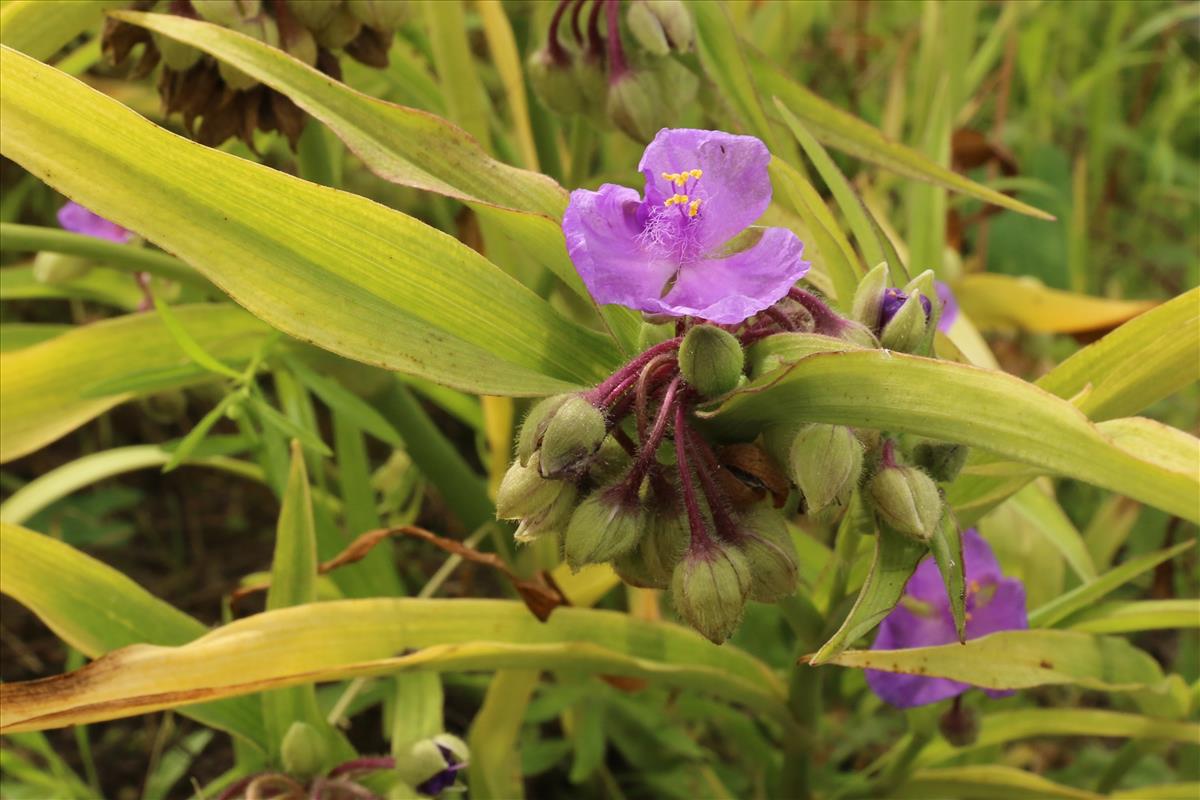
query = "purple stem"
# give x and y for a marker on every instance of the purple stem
(700, 538)
(237, 787)
(888, 455)
(557, 54)
(366, 764)
(616, 54)
(595, 45)
(718, 503)
(824, 319)
(576, 31)
(618, 390)
(779, 318)
(633, 367)
(642, 392)
(647, 457)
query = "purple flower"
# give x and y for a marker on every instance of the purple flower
(894, 298)
(443, 780)
(923, 619)
(669, 252)
(949, 306)
(77, 219)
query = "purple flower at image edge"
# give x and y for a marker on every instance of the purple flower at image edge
(949, 306)
(669, 251)
(923, 619)
(77, 219)
(443, 780)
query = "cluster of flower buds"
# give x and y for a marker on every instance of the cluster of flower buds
(625, 473)
(228, 102)
(904, 319)
(590, 71)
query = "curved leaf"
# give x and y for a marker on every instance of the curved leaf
(985, 782)
(1003, 301)
(957, 403)
(328, 267)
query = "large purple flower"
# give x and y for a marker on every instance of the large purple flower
(77, 219)
(923, 619)
(671, 251)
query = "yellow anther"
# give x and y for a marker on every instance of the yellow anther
(696, 173)
(675, 200)
(973, 587)
(967, 616)
(673, 177)
(693, 208)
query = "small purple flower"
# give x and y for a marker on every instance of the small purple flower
(949, 306)
(668, 253)
(923, 619)
(443, 780)
(894, 298)
(77, 219)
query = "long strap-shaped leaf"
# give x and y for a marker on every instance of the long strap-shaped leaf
(335, 640)
(326, 266)
(959, 403)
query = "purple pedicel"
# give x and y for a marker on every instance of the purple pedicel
(994, 603)
(77, 219)
(667, 253)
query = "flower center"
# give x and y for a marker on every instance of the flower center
(684, 180)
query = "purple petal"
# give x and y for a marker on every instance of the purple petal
(77, 219)
(1004, 610)
(901, 630)
(730, 289)
(909, 691)
(734, 189)
(979, 562)
(926, 584)
(949, 306)
(602, 232)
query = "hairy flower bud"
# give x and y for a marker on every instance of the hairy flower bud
(709, 587)
(907, 500)
(299, 43)
(647, 29)
(524, 492)
(770, 554)
(341, 28)
(605, 525)
(857, 333)
(572, 435)
(663, 543)
(552, 519)
(868, 298)
(661, 26)
(430, 765)
(534, 425)
(825, 462)
(942, 460)
(906, 329)
(555, 83)
(226, 12)
(303, 751)
(711, 360)
(643, 101)
(314, 14)
(382, 15)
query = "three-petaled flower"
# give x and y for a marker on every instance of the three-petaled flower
(677, 250)
(923, 619)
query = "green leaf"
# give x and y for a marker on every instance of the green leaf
(342, 400)
(196, 435)
(985, 782)
(267, 414)
(18, 335)
(1023, 659)
(1000, 727)
(1082, 597)
(328, 267)
(46, 388)
(947, 550)
(347, 638)
(189, 345)
(1138, 615)
(1162, 791)
(105, 286)
(62, 587)
(41, 29)
(896, 557)
(891, 391)
(1048, 518)
(495, 769)
(845, 132)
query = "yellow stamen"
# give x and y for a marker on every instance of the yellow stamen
(973, 587)
(675, 200)
(967, 616)
(693, 208)
(673, 177)
(696, 173)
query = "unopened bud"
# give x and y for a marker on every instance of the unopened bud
(572, 435)
(555, 83)
(906, 328)
(303, 751)
(868, 298)
(534, 426)
(825, 462)
(430, 765)
(54, 268)
(770, 554)
(314, 14)
(382, 15)
(226, 12)
(942, 460)
(634, 105)
(552, 519)
(661, 26)
(299, 43)
(604, 526)
(651, 564)
(646, 28)
(959, 725)
(710, 587)
(524, 492)
(907, 500)
(341, 28)
(175, 55)
(857, 333)
(711, 360)
(610, 462)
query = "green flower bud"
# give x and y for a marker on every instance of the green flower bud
(382, 15)
(825, 462)
(175, 55)
(942, 460)
(857, 333)
(907, 500)
(422, 759)
(868, 298)
(905, 330)
(610, 463)
(643, 101)
(711, 360)
(300, 43)
(524, 492)
(341, 29)
(534, 426)
(226, 12)
(651, 564)
(314, 14)
(555, 84)
(573, 435)
(710, 586)
(959, 725)
(304, 750)
(551, 519)
(770, 553)
(54, 268)
(604, 526)
(661, 26)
